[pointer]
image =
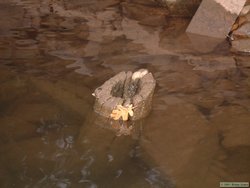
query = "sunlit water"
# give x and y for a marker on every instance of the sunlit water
(53, 56)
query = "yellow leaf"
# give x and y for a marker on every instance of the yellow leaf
(115, 114)
(122, 112)
(124, 116)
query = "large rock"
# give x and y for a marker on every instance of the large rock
(243, 31)
(241, 46)
(215, 18)
(204, 44)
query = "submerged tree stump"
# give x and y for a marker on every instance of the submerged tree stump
(124, 89)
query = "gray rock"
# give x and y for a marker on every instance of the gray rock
(243, 31)
(241, 45)
(248, 17)
(245, 10)
(215, 18)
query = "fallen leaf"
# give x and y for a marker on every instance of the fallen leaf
(122, 112)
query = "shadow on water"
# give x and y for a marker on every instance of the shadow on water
(52, 57)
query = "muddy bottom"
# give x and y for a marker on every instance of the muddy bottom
(52, 57)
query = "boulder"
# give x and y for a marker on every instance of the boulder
(215, 18)
(242, 32)
(241, 46)
(245, 10)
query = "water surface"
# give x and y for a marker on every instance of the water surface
(52, 57)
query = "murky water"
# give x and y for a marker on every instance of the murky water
(54, 54)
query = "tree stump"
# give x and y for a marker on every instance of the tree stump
(124, 89)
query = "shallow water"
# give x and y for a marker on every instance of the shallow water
(53, 56)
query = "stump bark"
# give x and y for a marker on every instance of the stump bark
(124, 89)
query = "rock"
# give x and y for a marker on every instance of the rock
(243, 31)
(239, 22)
(243, 62)
(245, 10)
(248, 17)
(241, 45)
(215, 18)
(122, 90)
(204, 44)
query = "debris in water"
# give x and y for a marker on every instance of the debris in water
(122, 112)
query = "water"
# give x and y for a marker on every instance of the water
(52, 57)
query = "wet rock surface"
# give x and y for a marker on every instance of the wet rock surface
(240, 32)
(241, 46)
(214, 18)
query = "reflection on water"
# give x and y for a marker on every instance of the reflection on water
(54, 54)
